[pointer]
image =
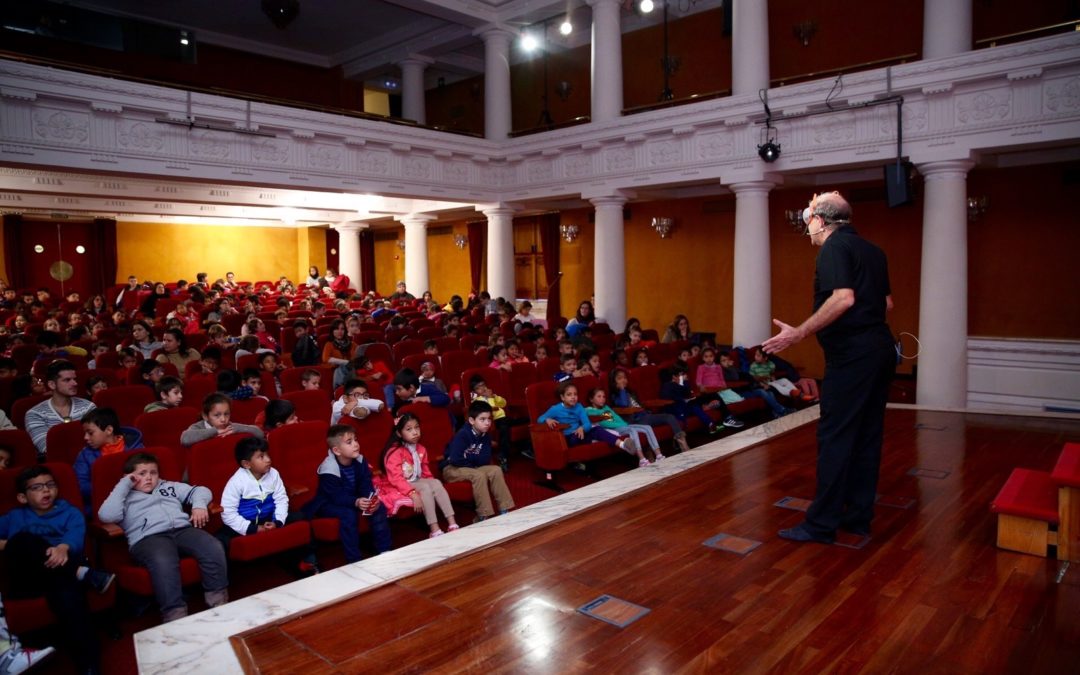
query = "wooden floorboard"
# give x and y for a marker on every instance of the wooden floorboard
(929, 593)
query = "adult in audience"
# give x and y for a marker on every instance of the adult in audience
(174, 350)
(149, 305)
(132, 287)
(313, 278)
(62, 406)
(400, 294)
(678, 330)
(142, 340)
(851, 297)
(584, 318)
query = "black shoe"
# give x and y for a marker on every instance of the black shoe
(99, 580)
(579, 467)
(504, 465)
(800, 534)
(527, 453)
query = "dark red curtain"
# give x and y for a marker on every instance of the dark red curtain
(103, 262)
(549, 241)
(477, 245)
(366, 282)
(13, 253)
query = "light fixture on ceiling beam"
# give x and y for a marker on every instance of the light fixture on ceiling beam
(663, 226)
(569, 232)
(461, 241)
(281, 12)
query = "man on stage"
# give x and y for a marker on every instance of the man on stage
(851, 297)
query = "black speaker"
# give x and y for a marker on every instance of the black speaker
(725, 31)
(898, 184)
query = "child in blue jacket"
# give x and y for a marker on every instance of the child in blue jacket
(345, 492)
(579, 429)
(43, 542)
(104, 436)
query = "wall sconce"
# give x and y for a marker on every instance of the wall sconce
(976, 207)
(794, 218)
(461, 241)
(663, 226)
(401, 244)
(569, 232)
(804, 30)
(563, 89)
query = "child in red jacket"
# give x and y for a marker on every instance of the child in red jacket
(407, 479)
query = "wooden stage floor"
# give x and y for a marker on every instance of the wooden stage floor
(929, 592)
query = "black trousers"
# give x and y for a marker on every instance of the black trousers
(64, 594)
(853, 397)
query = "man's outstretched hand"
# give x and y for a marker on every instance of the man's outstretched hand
(787, 336)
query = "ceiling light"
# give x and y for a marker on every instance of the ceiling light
(281, 12)
(646, 6)
(529, 42)
(184, 41)
(566, 27)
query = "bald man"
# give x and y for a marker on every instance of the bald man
(851, 298)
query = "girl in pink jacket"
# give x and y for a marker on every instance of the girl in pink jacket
(406, 478)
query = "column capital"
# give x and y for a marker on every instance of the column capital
(497, 210)
(416, 219)
(611, 201)
(351, 226)
(752, 187)
(945, 168)
(416, 60)
(496, 32)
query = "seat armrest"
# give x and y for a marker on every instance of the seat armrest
(298, 490)
(628, 411)
(107, 530)
(656, 403)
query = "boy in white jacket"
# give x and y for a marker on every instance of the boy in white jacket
(254, 501)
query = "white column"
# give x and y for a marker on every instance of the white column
(417, 278)
(607, 82)
(749, 46)
(412, 87)
(946, 27)
(349, 251)
(943, 284)
(497, 117)
(609, 255)
(752, 319)
(500, 252)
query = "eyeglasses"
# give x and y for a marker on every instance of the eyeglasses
(38, 487)
(359, 394)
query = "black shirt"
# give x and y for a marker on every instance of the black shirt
(846, 260)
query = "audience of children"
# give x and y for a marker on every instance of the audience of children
(346, 493)
(216, 422)
(43, 541)
(406, 479)
(103, 436)
(468, 458)
(673, 387)
(354, 402)
(482, 392)
(609, 419)
(158, 531)
(578, 427)
(170, 393)
(409, 389)
(254, 500)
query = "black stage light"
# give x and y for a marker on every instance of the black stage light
(281, 12)
(769, 151)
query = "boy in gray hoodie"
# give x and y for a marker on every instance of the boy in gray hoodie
(158, 531)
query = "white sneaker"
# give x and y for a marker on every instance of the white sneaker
(658, 457)
(19, 660)
(436, 533)
(643, 462)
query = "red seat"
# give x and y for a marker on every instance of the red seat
(546, 368)
(380, 351)
(212, 464)
(163, 428)
(549, 445)
(297, 450)
(454, 363)
(1028, 494)
(64, 441)
(407, 348)
(22, 405)
(291, 378)
(197, 388)
(311, 406)
(131, 576)
(128, 402)
(1066, 472)
(372, 432)
(246, 410)
(414, 361)
(31, 614)
(23, 452)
